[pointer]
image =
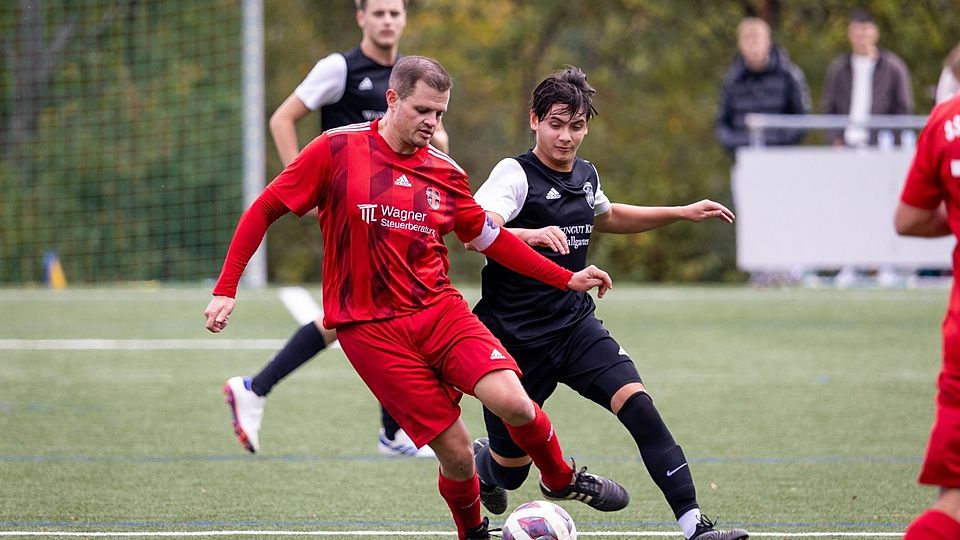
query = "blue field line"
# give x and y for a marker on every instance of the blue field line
(289, 458)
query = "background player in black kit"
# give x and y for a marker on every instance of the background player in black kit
(347, 88)
(552, 199)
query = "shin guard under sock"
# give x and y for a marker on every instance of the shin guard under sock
(463, 498)
(661, 455)
(303, 345)
(538, 440)
(492, 473)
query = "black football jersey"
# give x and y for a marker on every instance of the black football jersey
(364, 95)
(520, 310)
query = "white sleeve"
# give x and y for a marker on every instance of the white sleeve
(505, 189)
(601, 204)
(325, 83)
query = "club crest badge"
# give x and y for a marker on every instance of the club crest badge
(433, 198)
(588, 193)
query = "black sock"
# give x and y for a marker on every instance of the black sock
(390, 426)
(662, 456)
(302, 346)
(492, 473)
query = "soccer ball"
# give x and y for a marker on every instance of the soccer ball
(539, 520)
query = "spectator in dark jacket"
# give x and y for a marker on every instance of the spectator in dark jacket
(864, 82)
(761, 80)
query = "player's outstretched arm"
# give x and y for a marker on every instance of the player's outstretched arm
(252, 227)
(505, 248)
(630, 219)
(707, 209)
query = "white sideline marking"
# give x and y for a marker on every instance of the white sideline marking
(138, 344)
(296, 299)
(620, 534)
(300, 303)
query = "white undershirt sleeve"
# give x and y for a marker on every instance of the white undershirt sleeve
(601, 204)
(505, 189)
(325, 83)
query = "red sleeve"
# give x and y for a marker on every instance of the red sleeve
(250, 231)
(301, 185)
(922, 188)
(513, 253)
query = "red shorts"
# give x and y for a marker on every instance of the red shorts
(941, 465)
(418, 366)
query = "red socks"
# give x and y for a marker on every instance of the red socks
(933, 525)
(539, 441)
(463, 498)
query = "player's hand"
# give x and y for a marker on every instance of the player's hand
(550, 237)
(589, 278)
(218, 313)
(706, 209)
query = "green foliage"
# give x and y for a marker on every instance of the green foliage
(139, 129)
(657, 67)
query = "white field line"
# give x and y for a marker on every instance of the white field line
(420, 534)
(300, 303)
(138, 344)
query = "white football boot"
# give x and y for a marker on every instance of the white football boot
(247, 409)
(402, 446)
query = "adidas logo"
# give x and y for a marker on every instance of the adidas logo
(402, 181)
(553, 194)
(365, 84)
(497, 355)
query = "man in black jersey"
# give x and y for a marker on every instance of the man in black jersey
(553, 200)
(347, 88)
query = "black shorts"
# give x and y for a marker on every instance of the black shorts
(588, 360)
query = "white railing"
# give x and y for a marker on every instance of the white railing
(758, 123)
(826, 207)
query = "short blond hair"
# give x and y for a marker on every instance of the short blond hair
(750, 22)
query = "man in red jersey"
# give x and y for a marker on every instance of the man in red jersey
(385, 200)
(930, 206)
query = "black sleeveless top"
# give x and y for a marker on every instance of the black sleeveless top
(522, 311)
(364, 96)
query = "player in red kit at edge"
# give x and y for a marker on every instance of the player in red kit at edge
(930, 206)
(385, 199)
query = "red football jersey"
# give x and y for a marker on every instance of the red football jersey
(382, 216)
(935, 173)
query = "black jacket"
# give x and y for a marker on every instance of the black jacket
(780, 88)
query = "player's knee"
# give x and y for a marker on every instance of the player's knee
(457, 464)
(516, 411)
